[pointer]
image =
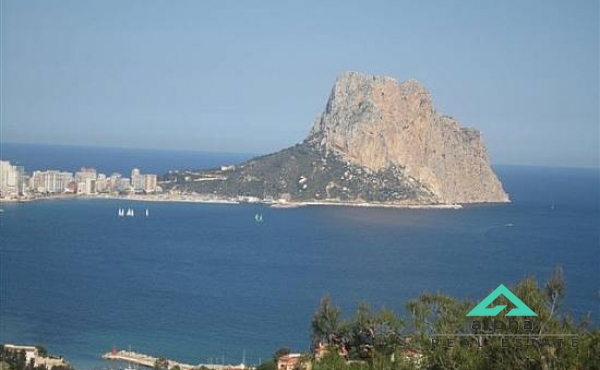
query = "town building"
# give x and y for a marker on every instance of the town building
(102, 183)
(143, 182)
(289, 361)
(31, 352)
(123, 184)
(50, 181)
(12, 180)
(150, 183)
(86, 180)
(137, 180)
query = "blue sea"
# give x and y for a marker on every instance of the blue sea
(201, 282)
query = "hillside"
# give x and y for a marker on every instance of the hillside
(377, 141)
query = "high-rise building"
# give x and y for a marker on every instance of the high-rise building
(12, 180)
(85, 173)
(50, 181)
(137, 180)
(102, 183)
(141, 182)
(123, 184)
(20, 180)
(149, 183)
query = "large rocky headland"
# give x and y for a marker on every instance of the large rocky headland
(377, 141)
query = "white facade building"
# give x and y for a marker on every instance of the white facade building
(12, 180)
(50, 181)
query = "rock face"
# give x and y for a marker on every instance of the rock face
(376, 122)
(377, 141)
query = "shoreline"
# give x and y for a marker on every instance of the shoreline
(197, 198)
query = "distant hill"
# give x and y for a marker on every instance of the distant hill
(377, 141)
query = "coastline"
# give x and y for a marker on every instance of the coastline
(198, 198)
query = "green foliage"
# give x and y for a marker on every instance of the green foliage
(330, 361)
(161, 364)
(327, 176)
(281, 352)
(15, 360)
(382, 340)
(268, 365)
(326, 323)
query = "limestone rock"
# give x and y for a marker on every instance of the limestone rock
(377, 141)
(376, 122)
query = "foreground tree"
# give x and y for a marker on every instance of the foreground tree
(384, 341)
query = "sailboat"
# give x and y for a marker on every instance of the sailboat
(121, 212)
(258, 217)
(147, 213)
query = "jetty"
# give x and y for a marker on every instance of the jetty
(149, 361)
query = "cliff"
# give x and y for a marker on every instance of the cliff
(377, 122)
(377, 141)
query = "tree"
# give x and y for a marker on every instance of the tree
(281, 352)
(161, 364)
(383, 340)
(267, 365)
(326, 323)
(330, 361)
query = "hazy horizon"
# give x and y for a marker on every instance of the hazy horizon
(222, 77)
(250, 155)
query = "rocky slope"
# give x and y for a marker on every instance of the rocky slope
(377, 141)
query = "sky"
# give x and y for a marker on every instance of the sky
(251, 77)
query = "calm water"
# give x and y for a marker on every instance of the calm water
(195, 282)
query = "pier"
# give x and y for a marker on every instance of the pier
(149, 361)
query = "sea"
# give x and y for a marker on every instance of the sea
(206, 283)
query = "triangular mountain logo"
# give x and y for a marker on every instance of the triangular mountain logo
(482, 308)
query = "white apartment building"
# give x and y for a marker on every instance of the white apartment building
(12, 180)
(50, 181)
(140, 182)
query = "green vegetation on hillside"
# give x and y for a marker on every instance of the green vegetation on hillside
(384, 340)
(304, 172)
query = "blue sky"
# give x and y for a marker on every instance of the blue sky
(252, 76)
